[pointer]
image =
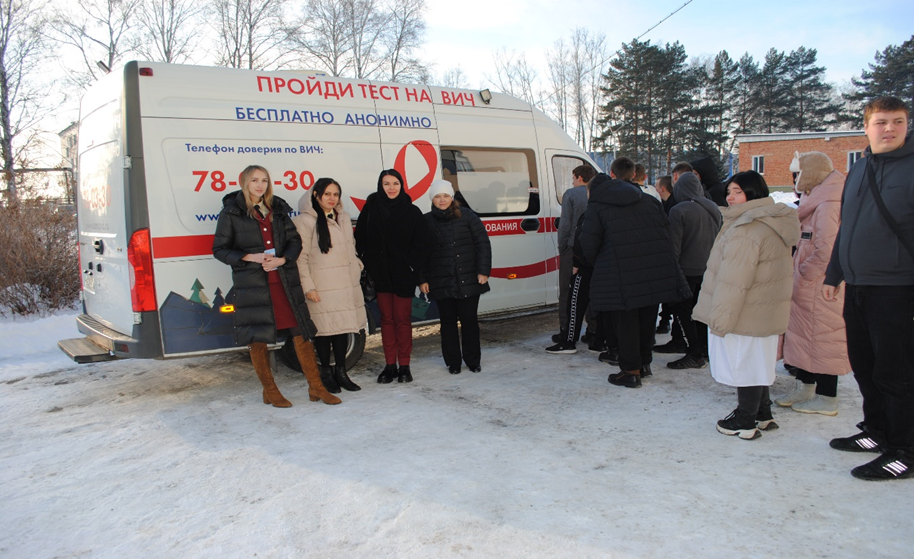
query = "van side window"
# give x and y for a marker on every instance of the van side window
(562, 165)
(493, 181)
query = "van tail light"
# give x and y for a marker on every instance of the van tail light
(142, 286)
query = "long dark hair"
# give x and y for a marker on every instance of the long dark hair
(752, 184)
(323, 230)
(395, 174)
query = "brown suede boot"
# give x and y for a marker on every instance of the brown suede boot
(261, 361)
(308, 362)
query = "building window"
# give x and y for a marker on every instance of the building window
(758, 164)
(852, 157)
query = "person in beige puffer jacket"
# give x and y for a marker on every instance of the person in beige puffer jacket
(745, 298)
(816, 340)
(330, 272)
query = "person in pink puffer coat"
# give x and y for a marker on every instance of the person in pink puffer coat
(816, 342)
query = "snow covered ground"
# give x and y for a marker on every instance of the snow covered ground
(537, 456)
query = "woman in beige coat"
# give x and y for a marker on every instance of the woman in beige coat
(330, 271)
(745, 298)
(816, 341)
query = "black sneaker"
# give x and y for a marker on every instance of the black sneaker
(861, 442)
(672, 346)
(556, 338)
(562, 347)
(663, 327)
(890, 465)
(610, 356)
(454, 370)
(687, 362)
(475, 368)
(646, 371)
(624, 379)
(764, 420)
(738, 424)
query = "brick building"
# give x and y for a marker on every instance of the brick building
(771, 154)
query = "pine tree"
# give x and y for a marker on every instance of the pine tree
(198, 295)
(891, 74)
(808, 98)
(772, 92)
(722, 90)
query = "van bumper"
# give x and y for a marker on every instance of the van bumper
(145, 342)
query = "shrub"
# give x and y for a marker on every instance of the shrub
(39, 263)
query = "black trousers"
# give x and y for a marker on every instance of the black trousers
(880, 345)
(826, 385)
(322, 345)
(634, 330)
(751, 398)
(695, 332)
(464, 310)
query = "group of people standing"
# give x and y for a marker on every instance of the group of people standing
(737, 270)
(301, 277)
(733, 267)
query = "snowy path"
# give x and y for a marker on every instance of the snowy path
(536, 456)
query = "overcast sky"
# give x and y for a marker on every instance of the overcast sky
(846, 33)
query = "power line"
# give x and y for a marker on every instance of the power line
(662, 20)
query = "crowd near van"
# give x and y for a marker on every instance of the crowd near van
(161, 144)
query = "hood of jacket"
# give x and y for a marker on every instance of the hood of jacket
(688, 187)
(781, 218)
(829, 190)
(707, 170)
(615, 192)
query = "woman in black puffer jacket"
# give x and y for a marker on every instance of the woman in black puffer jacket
(256, 237)
(457, 274)
(390, 238)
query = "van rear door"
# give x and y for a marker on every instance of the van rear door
(103, 236)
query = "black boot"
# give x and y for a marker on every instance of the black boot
(405, 374)
(646, 371)
(388, 374)
(329, 380)
(343, 380)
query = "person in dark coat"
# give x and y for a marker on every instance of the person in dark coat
(457, 273)
(707, 172)
(390, 238)
(625, 236)
(694, 224)
(256, 237)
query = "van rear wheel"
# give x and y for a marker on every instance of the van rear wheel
(355, 346)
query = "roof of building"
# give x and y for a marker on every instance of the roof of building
(781, 136)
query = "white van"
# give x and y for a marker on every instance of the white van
(161, 144)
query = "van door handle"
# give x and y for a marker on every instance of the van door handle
(530, 224)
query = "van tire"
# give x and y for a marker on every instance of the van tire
(354, 350)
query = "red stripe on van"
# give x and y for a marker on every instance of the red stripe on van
(177, 247)
(527, 271)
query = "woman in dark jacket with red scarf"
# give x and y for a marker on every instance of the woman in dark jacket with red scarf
(256, 237)
(457, 274)
(390, 238)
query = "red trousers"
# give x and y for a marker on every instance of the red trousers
(396, 327)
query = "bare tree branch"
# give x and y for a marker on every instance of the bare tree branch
(168, 31)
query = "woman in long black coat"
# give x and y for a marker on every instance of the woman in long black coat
(390, 238)
(256, 237)
(457, 273)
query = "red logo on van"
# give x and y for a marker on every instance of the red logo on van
(97, 196)
(420, 186)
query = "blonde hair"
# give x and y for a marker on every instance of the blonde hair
(245, 178)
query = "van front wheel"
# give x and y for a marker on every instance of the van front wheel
(355, 346)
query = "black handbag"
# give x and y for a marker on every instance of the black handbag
(369, 293)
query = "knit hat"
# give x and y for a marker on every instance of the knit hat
(440, 187)
(813, 167)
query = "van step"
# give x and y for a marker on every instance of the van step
(82, 350)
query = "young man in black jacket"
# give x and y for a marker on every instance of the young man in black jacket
(878, 267)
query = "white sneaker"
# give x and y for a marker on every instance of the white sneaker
(802, 393)
(825, 405)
